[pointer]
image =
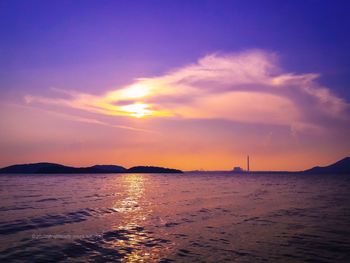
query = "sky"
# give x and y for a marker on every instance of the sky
(183, 84)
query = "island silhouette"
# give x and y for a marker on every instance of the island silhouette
(340, 167)
(53, 168)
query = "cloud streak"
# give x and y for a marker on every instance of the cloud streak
(248, 87)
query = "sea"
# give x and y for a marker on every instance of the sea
(190, 217)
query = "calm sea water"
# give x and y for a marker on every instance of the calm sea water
(183, 218)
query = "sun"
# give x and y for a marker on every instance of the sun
(137, 110)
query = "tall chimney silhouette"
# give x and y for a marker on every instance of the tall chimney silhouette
(248, 163)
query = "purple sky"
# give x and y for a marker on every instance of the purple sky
(59, 60)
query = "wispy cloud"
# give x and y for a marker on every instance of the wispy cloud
(246, 87)
(89, 120)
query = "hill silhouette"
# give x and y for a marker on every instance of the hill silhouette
(53, 168)
(340, 167)
(152, 169)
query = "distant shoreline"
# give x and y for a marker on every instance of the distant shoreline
(53, 168)
(339, 167)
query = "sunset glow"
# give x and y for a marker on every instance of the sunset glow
(134, 92)
(174, 131)
(137, 110)
(103, 90)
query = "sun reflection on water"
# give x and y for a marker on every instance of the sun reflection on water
(134, 189)
(138, 245)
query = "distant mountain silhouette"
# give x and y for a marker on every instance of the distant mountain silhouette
(30, 168)
(110, 168)
(53, 168)
(340, 167)
(152, 169)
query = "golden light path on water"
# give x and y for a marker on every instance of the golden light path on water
(136, 211)
(199, 217)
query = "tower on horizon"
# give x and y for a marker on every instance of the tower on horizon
(248, 169)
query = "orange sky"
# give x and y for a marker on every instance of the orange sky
(208, 114)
